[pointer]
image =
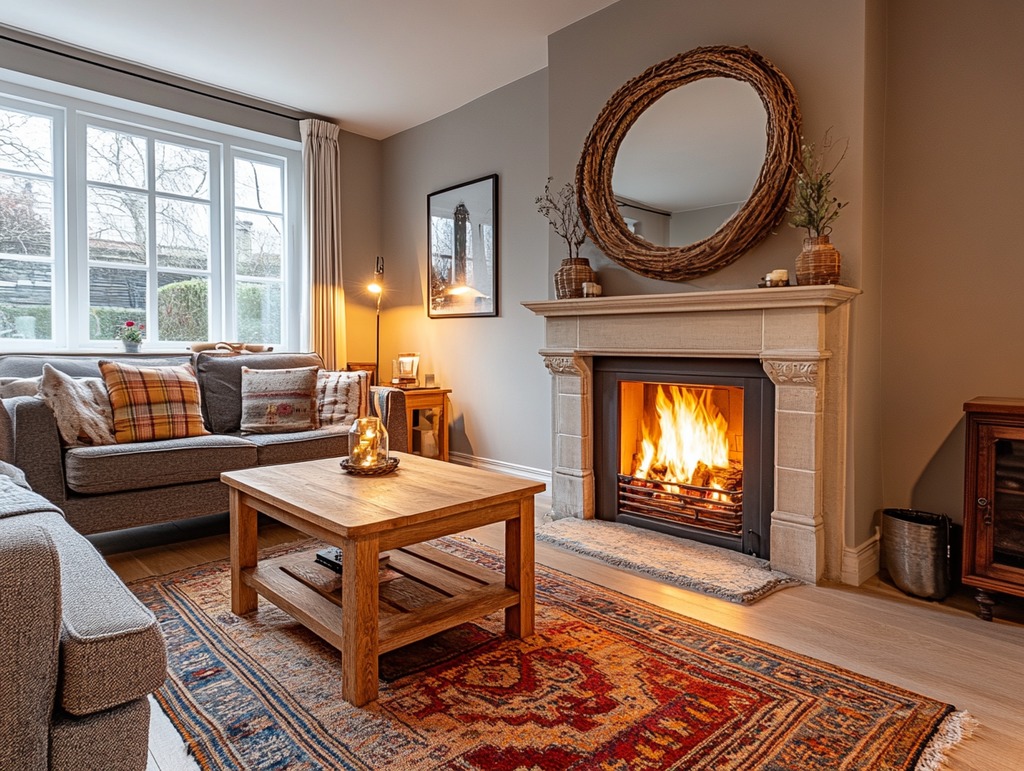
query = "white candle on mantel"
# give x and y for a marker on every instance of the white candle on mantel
(779, 276)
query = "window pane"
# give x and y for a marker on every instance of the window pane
(116, 157)
(117, 226)
(259, 312)
(25, 299)
(115, 296)
(25, 142)
(182, 170)
(183, 307)
(258, 246)
(26, 216)
(258, 185)
(182, 234)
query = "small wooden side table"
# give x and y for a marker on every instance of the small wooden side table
(433, 401)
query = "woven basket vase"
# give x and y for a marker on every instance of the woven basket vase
(818, 263)
(570, 276)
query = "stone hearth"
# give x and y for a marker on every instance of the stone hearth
(800, 335)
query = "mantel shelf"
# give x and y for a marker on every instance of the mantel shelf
(825, 296)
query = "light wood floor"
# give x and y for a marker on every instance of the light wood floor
(941, 650)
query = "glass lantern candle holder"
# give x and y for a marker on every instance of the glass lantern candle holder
(368, 443)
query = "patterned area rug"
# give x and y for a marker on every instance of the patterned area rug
(712, 570)
(607, 682)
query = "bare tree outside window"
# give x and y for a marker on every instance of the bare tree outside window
(26, 225)
(185, 233)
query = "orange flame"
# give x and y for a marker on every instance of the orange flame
(686, 429)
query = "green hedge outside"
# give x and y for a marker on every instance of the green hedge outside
(40, 313)
(182, 313)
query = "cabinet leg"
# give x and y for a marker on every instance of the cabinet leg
(985, 602)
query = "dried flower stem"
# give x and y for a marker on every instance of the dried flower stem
(813, 206)
(561, 211)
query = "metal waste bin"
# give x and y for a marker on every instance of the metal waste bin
(918, 547)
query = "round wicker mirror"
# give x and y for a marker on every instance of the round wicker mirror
(753, 221)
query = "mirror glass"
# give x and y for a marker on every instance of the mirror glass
(690, 161)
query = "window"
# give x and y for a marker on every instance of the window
(189, 231)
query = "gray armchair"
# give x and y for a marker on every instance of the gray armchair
(79, 654)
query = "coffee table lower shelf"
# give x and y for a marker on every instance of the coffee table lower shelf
(421, 590)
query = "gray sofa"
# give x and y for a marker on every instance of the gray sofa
(78, 652)
(111, 487)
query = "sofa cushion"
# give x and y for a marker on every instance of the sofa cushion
(342, 397)
(112, 650)
(151, 403)
(142, 465)
(305, 445)
(220, 380)
(277, 401)
(18, 386)
(80, 407)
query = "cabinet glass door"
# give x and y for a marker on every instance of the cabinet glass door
(1007, 513)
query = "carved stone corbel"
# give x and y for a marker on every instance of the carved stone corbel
(798, 373)
(563, 365)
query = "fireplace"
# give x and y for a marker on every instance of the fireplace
(799, 339)
(685, 447)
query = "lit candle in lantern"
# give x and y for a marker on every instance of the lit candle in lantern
(368, 444)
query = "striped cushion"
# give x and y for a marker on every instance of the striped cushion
(342, 397)
(151, 403)
(279, 400)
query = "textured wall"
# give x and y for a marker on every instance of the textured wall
(952, 269)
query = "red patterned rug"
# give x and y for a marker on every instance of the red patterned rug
(607, 682)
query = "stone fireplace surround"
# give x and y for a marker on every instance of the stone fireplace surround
(801, 336)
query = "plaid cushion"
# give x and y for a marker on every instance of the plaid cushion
(341, 397)
(151, 403)
(279, 400)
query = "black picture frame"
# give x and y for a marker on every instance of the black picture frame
(462, 249)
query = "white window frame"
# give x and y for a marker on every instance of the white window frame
(72, 109)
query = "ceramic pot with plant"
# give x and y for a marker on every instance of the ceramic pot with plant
(815, 208)
(562, 213)
(130, 335)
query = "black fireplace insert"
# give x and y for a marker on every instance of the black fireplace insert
(685, 446)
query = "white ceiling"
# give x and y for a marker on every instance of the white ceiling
(375, 66)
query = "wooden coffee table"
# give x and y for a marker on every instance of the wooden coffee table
(366, 516)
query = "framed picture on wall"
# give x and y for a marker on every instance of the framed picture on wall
(462, 254)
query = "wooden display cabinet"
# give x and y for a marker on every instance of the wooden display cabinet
(994, 500)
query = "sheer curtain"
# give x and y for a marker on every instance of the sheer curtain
(321, 160)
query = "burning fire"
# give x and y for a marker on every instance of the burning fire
(684, 440)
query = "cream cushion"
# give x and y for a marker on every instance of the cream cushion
(342, 397)
(80, 406)
(279, 400)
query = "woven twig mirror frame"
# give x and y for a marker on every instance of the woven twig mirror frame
(750, 225)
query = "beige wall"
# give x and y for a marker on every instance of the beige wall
(953, 268)
(501, 390)
(360, 237)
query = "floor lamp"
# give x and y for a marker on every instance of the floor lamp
(376, 287)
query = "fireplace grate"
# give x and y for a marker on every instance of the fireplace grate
(691, 505)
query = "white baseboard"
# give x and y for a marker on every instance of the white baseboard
(501, 467)
(861, 562)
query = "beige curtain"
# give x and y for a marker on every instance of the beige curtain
(321, 160)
